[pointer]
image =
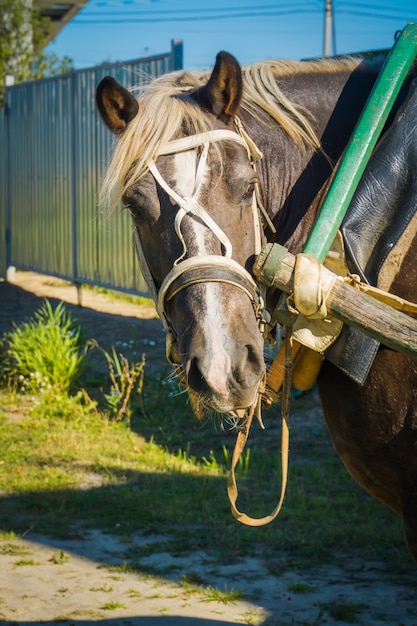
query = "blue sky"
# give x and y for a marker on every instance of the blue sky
(252, 30)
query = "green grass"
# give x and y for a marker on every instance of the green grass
(113, 295)
(112, 606)
(212, 594)
(65, 466)
(48, 464)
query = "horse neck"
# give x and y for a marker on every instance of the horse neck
(293, 181)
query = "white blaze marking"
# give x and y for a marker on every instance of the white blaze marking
(219, 365)
(185, 164)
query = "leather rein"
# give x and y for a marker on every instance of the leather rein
(216, 268)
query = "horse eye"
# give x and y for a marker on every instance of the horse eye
(130, 208)
(249, 191)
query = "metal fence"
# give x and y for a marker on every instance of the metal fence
(53, 151)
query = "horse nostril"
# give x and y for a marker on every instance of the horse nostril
(248, 367)
(204, 377)
(195, 378)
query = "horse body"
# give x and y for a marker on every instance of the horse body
(215, 336)
(375, 432)
(293, 181)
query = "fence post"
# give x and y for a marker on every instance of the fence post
(74, 188)
(8, 229)
(177, 54)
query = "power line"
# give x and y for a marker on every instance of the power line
(359, 9)
(192, 18)
(205, 10)
(375, 15)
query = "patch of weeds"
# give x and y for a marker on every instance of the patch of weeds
(134, 594)
(255, 618)
(191, 582)
(123, 568)
(43, 353)
(243, 462)
(112, 606)
(212, 594)
(8, 535)
(192, 578)
(211, 463)
(60, 558)
(343, 611)
(12, 549)
(299, 587)
(24, 562)
(126, 384)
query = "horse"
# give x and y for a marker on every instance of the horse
(187, 165)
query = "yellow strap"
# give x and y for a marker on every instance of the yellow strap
(285, 438)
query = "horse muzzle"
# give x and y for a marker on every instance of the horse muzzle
(225, 384)
(222, 362)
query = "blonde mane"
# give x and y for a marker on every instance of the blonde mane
(166, 111)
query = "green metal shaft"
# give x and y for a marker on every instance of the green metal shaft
(362, 142)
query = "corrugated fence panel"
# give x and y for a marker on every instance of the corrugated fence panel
(50, 173)
(104, 243)
(40, 195)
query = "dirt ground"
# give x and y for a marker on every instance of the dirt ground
(45, 581)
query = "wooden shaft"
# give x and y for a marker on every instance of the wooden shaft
(380, 321)
(374, 318)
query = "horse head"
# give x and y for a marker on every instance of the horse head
(183, 166)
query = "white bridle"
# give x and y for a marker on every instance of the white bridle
(208, 268)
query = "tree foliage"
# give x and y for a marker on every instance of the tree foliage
(23, 35)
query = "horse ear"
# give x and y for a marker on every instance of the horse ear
(223, 92)
(116, 104)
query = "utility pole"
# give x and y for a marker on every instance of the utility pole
(328, 27)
